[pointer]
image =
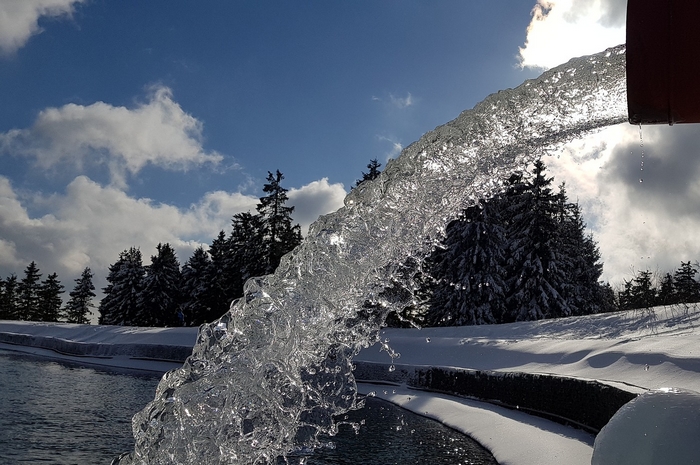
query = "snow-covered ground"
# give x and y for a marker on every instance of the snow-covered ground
(636, 351)
(150, 349)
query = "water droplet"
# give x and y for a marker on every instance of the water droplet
(641, 180)
(427, 339)
(392, 368)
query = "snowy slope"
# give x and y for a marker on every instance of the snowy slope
(651, 349)
(152, 349)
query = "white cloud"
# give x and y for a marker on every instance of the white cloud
(564, 29)
(401, 102)
(396, 102)
(315, 199)
(158, 132)
(639, 225)
(19, 19)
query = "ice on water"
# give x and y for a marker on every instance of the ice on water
(267, 377)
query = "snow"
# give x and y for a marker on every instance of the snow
(660, 426)
(150, 349)
(513, 437)
(637, 351)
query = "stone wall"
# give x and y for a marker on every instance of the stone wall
(583, 403)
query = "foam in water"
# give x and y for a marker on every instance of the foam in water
(268, 376)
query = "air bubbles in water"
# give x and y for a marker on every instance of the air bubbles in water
(268, 377)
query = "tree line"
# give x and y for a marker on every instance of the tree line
(163, 294)
(522, 255)
(31, 299)
(648, 289)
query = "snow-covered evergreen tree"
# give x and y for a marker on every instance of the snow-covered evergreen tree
(536, 276)
(80, 303)
(221, 275)
(686, 287)
(469, 288)
(578, 259)
(667, 292)
(159, 299)
(28, 294)
(248, 248)
(120, 303)
(639, 292)
(9, 299)
(50, 301)
(195, 288)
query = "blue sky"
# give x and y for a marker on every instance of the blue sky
(133, 123)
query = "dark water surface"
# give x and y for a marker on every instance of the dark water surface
(57, 413)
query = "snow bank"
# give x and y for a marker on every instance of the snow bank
(152, 349)
(637, 351)
(658, 427)
(513, 437)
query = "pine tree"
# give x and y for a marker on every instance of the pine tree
(641, 292)
(221, 274)
(125, 279)
(373, 172)
(280, 234)
(687, 289)
(50, 301)
(625, 296)
(247, 244)
(667, 292)
(28, 299)
(195, 288)
(470, 289)
(80, 302)
(159, 299)
(536, 278)
(579, 260)
(9, 299)
(606, 298)
(3, 311)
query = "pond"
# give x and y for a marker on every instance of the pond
(60, 413)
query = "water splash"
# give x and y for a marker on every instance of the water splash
(268, 376)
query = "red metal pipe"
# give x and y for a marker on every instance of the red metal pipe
(663, 61)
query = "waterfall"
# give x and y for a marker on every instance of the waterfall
(269, 375)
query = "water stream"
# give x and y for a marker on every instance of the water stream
(266, 379)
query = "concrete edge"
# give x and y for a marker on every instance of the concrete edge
(585, 404)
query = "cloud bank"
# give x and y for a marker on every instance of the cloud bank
(157, 132)
(19, 19)
(564, 29)
(641, 202)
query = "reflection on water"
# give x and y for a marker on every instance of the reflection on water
(60, 413)
(66, 414)
(391, 435)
